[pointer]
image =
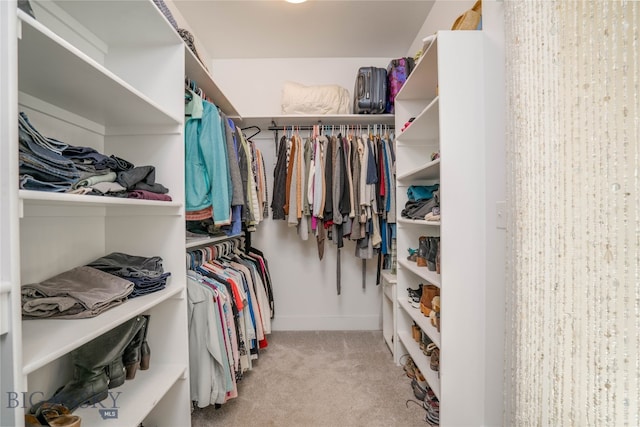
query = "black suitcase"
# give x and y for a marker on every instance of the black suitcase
(370, 92)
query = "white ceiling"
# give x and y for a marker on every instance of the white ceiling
(315, 29)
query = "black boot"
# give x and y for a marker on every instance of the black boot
(423, 251)
(145, 351)
(90, 381)
(433, 252)
(133, 352)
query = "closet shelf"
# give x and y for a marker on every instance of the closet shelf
(426, 125)
(196, 72)
(265, 122)
(32, 197)
(117, 23)
(423, 82)
(148, 387)
(422, 272)
(77, 83)
(421, 362)
(429, 170)
(417, 316)
(419, 222)
(45, 340)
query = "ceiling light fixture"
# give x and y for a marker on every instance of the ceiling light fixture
(296, 1)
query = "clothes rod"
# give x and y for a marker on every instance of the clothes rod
(310, 127)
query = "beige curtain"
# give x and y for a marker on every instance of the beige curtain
(573, 150)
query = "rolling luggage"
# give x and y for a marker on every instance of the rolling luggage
(397, 72)
(370, 92)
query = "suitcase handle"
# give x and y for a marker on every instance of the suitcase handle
(363, 82)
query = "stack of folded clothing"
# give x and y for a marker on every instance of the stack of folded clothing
(47, 164)
(41, 163)
(147, 274)
(77, 293)
(423, 202)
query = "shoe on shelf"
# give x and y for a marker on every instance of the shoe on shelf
(416, 333)
(413, 254)
(432, 244)
(415, 296)
(428, 292)
(434, 363)
(423, 251)
(409, 366)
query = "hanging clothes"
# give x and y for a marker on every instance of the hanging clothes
(230, 310)
(338, 187)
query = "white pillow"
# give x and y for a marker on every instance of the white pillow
(316, 100)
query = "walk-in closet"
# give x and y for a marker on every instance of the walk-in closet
(318, 213)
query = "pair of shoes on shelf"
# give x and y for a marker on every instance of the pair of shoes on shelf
(101, 364)
(426, 300)
(409, 366)
(428, 252)
(415, 295)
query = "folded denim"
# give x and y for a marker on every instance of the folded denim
(48, 143)
(125, 265)
(87, 154)
(28, 182)
(77, 293)
(137, 292)
(28, 145)
(40, 171)
(145, 281)
(114, 163)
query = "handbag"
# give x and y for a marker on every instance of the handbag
(471, 19)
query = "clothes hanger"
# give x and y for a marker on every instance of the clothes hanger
(253, 134)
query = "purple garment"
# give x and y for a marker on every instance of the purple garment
(148, 195)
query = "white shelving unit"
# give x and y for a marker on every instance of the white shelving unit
(389, 310)
(108, 75)
(445, 95)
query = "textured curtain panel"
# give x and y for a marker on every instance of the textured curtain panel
(573, 82)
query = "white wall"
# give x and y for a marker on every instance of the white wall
(304, 287)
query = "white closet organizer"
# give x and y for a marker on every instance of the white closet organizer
(109, 75)
(445, 94)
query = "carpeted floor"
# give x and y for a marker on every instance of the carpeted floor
(325, 378)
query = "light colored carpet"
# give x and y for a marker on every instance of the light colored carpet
(320, 378)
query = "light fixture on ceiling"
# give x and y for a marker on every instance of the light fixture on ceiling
(296, 1)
